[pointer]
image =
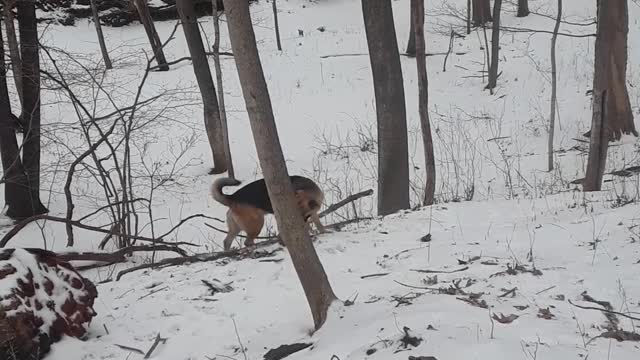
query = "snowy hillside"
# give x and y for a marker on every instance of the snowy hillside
(490, 272)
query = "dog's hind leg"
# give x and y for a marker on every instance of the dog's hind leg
(253, 229)
(233, 229)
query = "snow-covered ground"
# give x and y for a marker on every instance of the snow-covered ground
(490, 149)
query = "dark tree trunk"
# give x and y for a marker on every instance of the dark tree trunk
(22, 176)
(221, 106)
(103, 46)
(554, 86)
(523, 8)
(495, 46)
(14, 48)
(411, 44)
(481, 12)
(290, 223)
(275, 22)
(212, 122)
(610, 67)
(393, 158)
(417, 9)
(468, 17)
(598, 144)
(152, 34)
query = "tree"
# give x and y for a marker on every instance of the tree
(22, 175)
(152, 34)
(14, 48)
(417, 9)
(523, 8)
(610, 67)
(495, 46)
(221, 106)
(481, 12)
(265, 134)
(212, 122)
(411, 44)
(275, 21)
(393, 154)
(554, 86)
(103, 46)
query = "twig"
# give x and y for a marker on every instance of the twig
(374, 275)
(440, 271)
(235, 327)
(129, 348)
(152, 292)
(508, 292)
(155, 344)
(349, 199)
(605, 311)
(544, 290)
(415, 287)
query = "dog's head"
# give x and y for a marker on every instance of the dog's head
(308, 203)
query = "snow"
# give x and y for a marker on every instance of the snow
(490, 149)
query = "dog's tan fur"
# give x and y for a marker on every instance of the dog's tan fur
(248, 206)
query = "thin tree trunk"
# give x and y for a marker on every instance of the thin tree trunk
(152, 34)
(523, 8)
(610, 67)
(417, 7)
(552, 111)
(14, 49)
(221, 106)
(411, 44)
(598, 144)
(275, 21)
(290, 223)
(468, 17)
(495, 46)
(212, 122)
(481, 12)
(103, 46)
(393, 154)
(29, 52)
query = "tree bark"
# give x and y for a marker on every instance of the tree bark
(393, 158)
(417, 9)
(495, 46)
(275, 21)
(468, 17)
(103, 46)
(14, 48)
(523, 8)
(598, 144)
(610, 67)
(481, 12)
(152, 34)
(411, 44)
(22, 190)
(212, 122)
(554, 86)
(290, 223)
(221, 106)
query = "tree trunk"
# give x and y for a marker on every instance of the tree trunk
(14, 49)
(221, 106)
(468, 17)
(103, 46)
(417, 9)
(152, 34)
(495, 46)
(26, 202)
(481, 12)
(290, 223)
(275, 21)
(411, 44)
(523, 8)
(598, 144)
(610, 67)
(393, 158)
(212, 122)
(554, 100)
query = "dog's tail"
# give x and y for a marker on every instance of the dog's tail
(216, 190)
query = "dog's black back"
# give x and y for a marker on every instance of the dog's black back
(256, 194)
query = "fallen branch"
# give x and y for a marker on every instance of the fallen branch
(349, 199)
(155, 344)
(195, 258)
(440, 271)
(607, 311)
(374, 275)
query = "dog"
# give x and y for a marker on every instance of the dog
(249, 204)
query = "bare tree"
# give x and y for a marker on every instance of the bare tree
(411, 44)
(481, 12)
(221, 106)
(393, 158)
(417, 10)
(14, 49)
(598, 143)
(212, 122)
(468, 17)
(495, 46)
(610, 67)
(103, 46)
(523, 8)
(554, 99)
(152, 34)
(275, 21)
(290, 223)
